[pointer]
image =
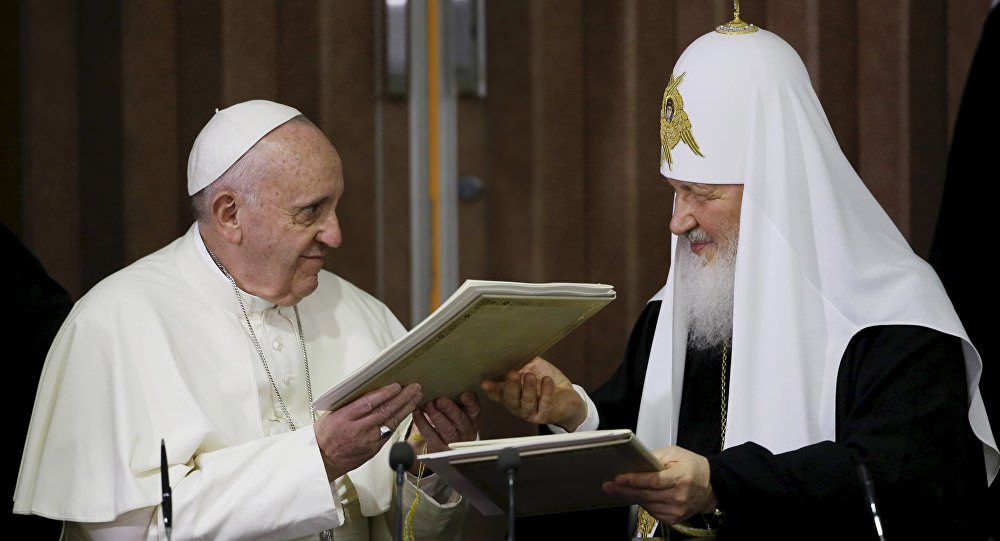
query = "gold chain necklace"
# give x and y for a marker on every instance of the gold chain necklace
(325, 535)
(723, 394)
(645, 523)
(260, 350)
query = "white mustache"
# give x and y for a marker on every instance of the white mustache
(698, 235)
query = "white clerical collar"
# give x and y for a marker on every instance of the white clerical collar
(253, 303)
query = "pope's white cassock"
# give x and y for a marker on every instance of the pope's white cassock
(160, 350)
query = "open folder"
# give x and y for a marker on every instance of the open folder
(558, 472)
(482, 331)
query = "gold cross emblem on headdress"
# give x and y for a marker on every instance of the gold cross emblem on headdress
(675, 125)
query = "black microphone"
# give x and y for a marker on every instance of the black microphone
(400, 458)
(508, 461)
(866, 481)
(167, 494)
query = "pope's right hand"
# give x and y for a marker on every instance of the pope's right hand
(349, 436)
(539, 393)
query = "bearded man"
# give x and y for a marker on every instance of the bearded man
(797, 342)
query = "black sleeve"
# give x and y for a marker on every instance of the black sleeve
(901, 409)
(617, 400)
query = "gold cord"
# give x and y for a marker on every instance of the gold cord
(645, 523)
(408, 525)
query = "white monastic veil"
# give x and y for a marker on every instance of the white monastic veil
(818, 259)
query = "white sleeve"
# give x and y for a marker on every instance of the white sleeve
(275, 487)
(439, 512)
(134, 525)
(590, 422)
(280, 477)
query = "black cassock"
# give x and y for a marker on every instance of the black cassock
(971, 284)
(902, 408)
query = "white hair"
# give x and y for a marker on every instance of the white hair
(705, 290)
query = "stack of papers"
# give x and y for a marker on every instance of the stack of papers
(484, 330)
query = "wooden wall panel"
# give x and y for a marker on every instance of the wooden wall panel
(510, 138)
(149, 119)
(347, 112)
(10, 118)
(836, 76)
(396, 205)
(694, 18)
(299, 56)
(927, 122)
(611, 173)
(473, 214)
(99, 133)
(249, 50)
(882, 105)
(794, 21)
(199, 84)
(51, 178)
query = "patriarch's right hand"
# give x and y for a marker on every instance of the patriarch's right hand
(539, 393)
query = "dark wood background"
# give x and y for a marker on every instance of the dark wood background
(103, 98)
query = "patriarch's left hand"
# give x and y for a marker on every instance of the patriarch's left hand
(679, 491)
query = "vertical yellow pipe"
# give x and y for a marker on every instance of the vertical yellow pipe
(434, 146)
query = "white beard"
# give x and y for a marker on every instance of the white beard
(705, 291)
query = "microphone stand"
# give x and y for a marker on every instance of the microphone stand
(508, 461)
(401, 458)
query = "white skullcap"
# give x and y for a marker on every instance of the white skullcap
(229, 135)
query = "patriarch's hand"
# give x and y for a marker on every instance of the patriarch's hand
(539, 393)
(671, 495)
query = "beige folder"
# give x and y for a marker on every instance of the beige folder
(482, 331)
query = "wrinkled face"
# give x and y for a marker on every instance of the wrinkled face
(287, 232)
(707, 214)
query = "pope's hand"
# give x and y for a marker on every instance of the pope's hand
(539, 393)
(443, 421)
(349, 436)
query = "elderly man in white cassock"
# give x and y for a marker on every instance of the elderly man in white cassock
(215, 344)
(797, 336)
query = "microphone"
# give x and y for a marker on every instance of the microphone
(400, 458)
(509, 460)
(866, 481)
(167, 502)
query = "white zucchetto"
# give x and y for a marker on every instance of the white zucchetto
(229, 135)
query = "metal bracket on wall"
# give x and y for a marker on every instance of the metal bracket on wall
(467, 49)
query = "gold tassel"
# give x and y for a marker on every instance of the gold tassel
(408, 524)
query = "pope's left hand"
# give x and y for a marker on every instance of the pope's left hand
(679, 491)
(442, 421)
